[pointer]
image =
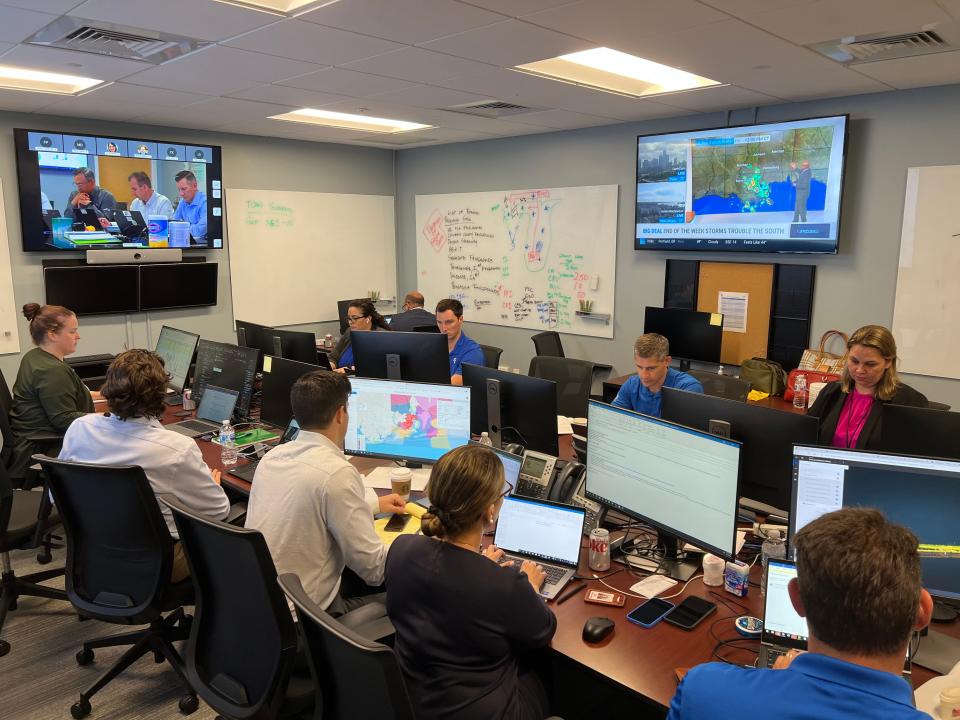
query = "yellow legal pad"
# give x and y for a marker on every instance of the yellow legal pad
(414, 513)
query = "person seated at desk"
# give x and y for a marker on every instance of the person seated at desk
(361, 315)
(462, 348)
(47, 395)
(849, 409)
(90, 196)
(309, 502)
(641, 393)
(131, 434)
(858, 586)
(462, 620)
(413, 315)
(192, 207)
(145, 200)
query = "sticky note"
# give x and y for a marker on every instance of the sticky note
(267, 363)
(716, 319)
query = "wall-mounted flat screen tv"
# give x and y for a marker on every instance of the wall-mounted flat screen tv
(774, 187)
(83, 191)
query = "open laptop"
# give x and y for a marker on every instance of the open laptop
(215, 407)
(246, 472)
(547, 533)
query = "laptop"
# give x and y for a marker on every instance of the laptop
(246, 472)
(128, 223)
(547, 533)
(511, 472)
(215, 407)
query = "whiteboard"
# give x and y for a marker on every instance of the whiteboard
(9, 336)
(294, 254)
(927, 301)
(523, 258)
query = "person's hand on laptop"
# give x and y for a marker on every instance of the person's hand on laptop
(534, 573)
(783, 662)
(393, 504)
(492, 552)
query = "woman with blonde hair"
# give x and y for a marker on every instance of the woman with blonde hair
(849, 409)
(463, 621)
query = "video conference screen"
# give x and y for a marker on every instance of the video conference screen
(101, 191)
(760, 188)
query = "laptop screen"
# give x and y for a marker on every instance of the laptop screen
(542, 530)
(217, 404)
(781, 623)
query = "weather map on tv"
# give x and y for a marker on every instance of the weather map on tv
(762, 188)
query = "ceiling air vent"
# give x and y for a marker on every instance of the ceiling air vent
(491, 109)
(119, 41)
(861, 49)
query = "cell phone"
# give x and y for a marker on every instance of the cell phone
(651, 612)
(397, 523)
(690, 612)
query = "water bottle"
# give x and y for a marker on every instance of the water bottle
(800, 392)
(228, 444)
(774, 546)
(485, 439)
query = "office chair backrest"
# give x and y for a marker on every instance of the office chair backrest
(933, 405)
(573, 378)
(362, 677)
(119, 551)
(723, 386)
(491, 356)
(6, 405)
(243, 642)
(6, 499)
(548, 344)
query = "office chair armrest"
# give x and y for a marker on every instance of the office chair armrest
(41, 436)
(237, 514)
(369, 621)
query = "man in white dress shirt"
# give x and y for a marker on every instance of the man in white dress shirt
(145, 200)
(131, 434)
(310, 504)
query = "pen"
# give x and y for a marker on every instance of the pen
(571, 592)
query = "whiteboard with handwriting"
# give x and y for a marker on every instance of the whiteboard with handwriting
(524, 258)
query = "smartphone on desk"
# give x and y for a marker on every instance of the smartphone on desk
(690, 612)
(649, 613)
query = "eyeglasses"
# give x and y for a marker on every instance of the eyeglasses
(507, 489)
(355, 318)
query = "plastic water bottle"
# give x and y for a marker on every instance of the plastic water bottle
(800, 392)
(485, 439)
(774, 546)
(228, 444)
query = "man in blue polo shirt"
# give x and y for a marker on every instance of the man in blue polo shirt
(192, 207)
(462, 349)
(641, 393)
(858, 585)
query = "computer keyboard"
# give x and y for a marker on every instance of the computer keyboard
(197, 425)
(772, 655)
(528, 488)
(553, 573)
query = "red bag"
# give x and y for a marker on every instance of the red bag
(812, 377)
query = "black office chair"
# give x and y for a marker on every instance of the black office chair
(491, 356)
(243, 643)
(937, 405)
(573, 378)
(24, 518)
(361, 677)
(548, 344)
(722, 386)
(119, 560)
(45, 442)
(426, 328)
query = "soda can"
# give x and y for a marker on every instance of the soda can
(328, 341)
(599, 549)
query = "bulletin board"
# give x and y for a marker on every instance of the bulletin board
(756, 281)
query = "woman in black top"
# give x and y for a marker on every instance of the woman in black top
(462, 621)
(850, 408)
(361, 315)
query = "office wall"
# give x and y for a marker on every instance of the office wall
(889, 132)
(248, 162)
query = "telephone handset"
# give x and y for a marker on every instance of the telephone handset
(595, 511)
(566, 482)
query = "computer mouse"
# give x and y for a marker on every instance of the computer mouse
(596, 629)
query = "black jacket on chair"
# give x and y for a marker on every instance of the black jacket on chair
(829, 405)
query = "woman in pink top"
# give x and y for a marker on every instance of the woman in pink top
(849, 409)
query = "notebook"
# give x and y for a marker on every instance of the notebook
(215, 407)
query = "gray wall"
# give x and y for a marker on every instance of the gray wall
(248, 162)
(889, 132)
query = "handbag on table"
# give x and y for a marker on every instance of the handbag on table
(822, 361)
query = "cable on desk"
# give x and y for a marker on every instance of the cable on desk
(737, 643)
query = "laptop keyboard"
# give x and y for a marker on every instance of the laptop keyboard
(197, 426)
(553, 573)
(773, 653)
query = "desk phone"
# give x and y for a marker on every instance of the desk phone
(535, 474)
(595, 511)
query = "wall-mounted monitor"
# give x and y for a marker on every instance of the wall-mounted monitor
(774, 187)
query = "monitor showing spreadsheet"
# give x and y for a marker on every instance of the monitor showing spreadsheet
(176, 347)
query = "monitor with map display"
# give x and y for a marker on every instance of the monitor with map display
(399, 420)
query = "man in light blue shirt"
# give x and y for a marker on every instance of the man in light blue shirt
(641, 393)
(462, 349)
(192, 207)
(145, 200)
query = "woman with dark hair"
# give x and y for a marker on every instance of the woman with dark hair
(463, 622)
(361, 315)
(131, 434)
(47, 395)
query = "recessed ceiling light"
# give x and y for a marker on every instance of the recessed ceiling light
(349, 121)
(617, 72)
(287, 8)
(18, 78)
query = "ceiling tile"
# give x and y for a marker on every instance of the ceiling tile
(920, 71)
(283, 95)
(516, 8)
(310, 42)
(139, 95)
(508, 43)
(180, 117)
(429, 96)
(744, 9)
(416, 65)
(379, 108)
(200, 19)
(51, 6)
(218, 70)
(237, 109)
(71, 62)
(88, 107)
(21, 101)
(562, 119)
(723, 97)
(406, 21)
(17, 24)
(346, 82)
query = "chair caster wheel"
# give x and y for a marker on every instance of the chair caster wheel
(4, 647)
(80, 709)
(85, 657)
(44, 557)
(188, 704)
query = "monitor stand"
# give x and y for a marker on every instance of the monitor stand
(494, 428)
(393, 367)
(672, 565)
(938, 652)
(684, 365)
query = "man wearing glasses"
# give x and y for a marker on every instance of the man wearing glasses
(413, 315)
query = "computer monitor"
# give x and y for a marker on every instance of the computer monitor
(226, 366)
(767, 434)
(249, 334)
(177, 348)
(279, 375)
(919, 431)
(407, 421)
(513, 408)
(415, 357)
(692, 335)
(682, 481)
(289, 345)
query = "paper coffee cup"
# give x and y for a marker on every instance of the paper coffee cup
(713, 570)
(400, 480)
(950, 703)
